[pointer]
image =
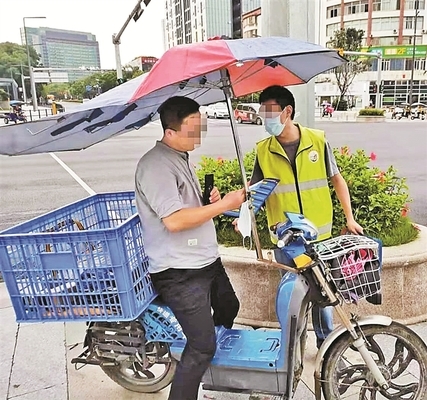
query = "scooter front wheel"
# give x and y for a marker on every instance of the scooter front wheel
(400, 354)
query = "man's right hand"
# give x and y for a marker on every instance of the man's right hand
(234, 199)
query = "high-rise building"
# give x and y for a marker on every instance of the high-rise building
(389, 27)
(60, 48)
(189, 21)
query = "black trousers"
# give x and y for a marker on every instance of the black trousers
(191, 293)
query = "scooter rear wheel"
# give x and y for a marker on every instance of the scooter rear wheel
(151, 378)
(398, 351)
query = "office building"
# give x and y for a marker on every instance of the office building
(189, 21)
(390, 28)
(60, 48)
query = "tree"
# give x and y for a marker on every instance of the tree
(102, 81)
(349, 39)
(12, 57)
(59, 90)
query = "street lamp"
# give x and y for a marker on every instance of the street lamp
(32, 82)
(411, 83)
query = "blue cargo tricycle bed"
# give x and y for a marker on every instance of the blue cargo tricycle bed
(82, 262)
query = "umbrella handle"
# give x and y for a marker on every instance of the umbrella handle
(227, 92)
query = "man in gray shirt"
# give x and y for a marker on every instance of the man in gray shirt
(180, 241)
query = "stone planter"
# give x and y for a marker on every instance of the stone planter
(403, 285)
(370, 118)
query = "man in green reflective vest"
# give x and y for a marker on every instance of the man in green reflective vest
(303, 161)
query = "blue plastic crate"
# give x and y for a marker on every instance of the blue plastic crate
(85, 261)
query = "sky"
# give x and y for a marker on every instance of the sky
(102, 18)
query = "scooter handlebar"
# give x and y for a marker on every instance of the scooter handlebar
(285, 240)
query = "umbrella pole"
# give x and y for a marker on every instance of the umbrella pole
(227, 93)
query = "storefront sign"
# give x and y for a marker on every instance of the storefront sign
(405, 51)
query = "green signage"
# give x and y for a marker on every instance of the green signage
(405, 51)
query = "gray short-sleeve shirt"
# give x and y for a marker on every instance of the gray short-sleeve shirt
(165, 182)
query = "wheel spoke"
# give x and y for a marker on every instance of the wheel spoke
(399, 359)
(400, 391)
(374, 347)
(348, 378)
(148, 374)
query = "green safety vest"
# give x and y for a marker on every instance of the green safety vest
(304, 190)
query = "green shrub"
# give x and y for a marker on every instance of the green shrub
(3, 95)
(379, 198)
(372, 112)
(341, 105)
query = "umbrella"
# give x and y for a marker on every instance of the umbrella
(418, 104)
(206, 71)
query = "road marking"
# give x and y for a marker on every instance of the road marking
(79, 180)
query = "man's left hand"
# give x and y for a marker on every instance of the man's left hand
(354, 227)
(214, 195)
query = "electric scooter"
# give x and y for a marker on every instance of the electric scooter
(142, 355)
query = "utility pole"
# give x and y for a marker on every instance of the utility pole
(31, 73)
(296, 19)
(414, 39)
(135, 14)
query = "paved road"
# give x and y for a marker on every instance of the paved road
(30, 185)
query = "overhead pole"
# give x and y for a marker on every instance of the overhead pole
(135, 14)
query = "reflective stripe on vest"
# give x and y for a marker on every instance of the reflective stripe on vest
(311, 180)
(290, 187)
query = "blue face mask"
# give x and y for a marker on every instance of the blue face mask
(273, 125)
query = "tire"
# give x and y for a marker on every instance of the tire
(207, 116)
(239, 120)
(345, 375)
(6, 121)
(133, 377)
(215, 116)
(258, 121)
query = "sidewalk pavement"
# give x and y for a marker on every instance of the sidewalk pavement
(35, 364)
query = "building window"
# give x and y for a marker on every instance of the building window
(334, 11)
(331, 29)
(385, 24)
(397, 64)
(385, 65)
(356, 7)
(412, 4)
(420, 64)
(376, 5)
(410, 22)
(357, 24)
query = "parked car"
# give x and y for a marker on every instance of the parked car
(217, 110)
(248, 113)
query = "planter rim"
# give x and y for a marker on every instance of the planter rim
(411, 253)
